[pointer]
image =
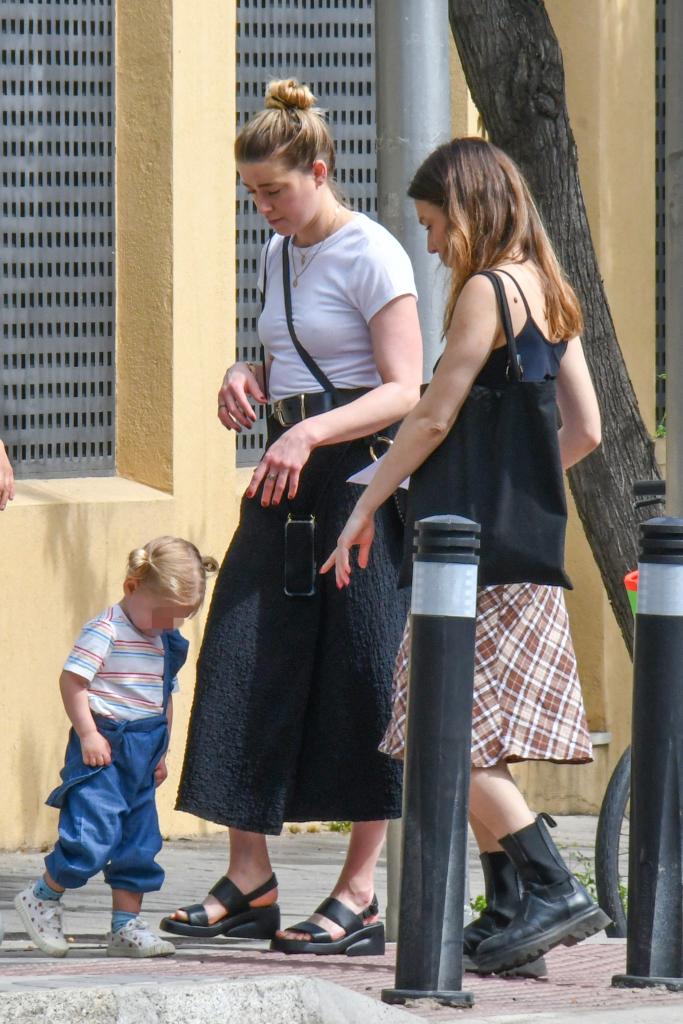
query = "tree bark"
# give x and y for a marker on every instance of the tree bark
(513, 66)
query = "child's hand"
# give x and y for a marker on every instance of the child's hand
(95, 749)
(160, 772)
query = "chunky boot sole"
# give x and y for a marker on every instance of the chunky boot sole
(566, 933)
(367, 941)
(533, 969)
(255, 923)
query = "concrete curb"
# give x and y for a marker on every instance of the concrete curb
(287, 999)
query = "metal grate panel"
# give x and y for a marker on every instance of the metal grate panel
(57, 339)
(660, 221)
(329, 45)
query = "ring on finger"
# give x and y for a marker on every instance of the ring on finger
(222, 405)
(272, 476)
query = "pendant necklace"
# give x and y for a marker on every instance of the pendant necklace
(308, 257)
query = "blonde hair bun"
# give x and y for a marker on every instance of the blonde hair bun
(288, 94)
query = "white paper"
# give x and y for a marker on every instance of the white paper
(364, 476)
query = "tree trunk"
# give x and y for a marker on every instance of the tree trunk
(513, 66)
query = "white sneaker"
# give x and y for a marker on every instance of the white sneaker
(135, 939)
(42, 919)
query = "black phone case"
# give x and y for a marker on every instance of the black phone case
(300, 568)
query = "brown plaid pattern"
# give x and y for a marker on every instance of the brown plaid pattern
(527, 697)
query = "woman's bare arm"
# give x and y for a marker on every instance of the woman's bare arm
(6, 478)
(469, 341)
(580, 431)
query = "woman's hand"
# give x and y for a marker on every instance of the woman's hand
(6, 479)
(359, 531)
(280, 467)
(234, 410)
(95, 749)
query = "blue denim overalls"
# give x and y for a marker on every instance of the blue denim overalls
(108, 817)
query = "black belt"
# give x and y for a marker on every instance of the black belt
(287, 411)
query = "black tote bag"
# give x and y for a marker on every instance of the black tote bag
(500, 466)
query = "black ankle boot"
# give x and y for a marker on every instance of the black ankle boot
(554, 909)
(503, 899)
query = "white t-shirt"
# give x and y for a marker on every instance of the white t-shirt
(354, 274)
(123, 667)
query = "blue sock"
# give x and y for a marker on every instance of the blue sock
(120, 918)
(42, 891)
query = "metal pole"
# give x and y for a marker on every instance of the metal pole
(654, 948)
(411, 44)
(437, 763)
(673, 183)
(413, 117)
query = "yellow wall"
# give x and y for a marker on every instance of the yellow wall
(608, 51)
(65, 542)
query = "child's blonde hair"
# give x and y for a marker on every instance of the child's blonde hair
(172, 567)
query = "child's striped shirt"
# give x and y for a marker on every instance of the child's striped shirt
(124, 668)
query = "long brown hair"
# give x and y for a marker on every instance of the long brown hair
(492, 219)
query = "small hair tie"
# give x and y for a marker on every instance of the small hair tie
(274, 102)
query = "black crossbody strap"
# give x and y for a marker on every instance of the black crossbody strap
(315, 370)
(307, 358)
(514, 368)
(262, 351)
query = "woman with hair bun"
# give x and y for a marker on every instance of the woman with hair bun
(294, 676)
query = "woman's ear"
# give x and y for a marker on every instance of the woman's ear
(130, 585)
(319, 169)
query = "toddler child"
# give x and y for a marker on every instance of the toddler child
(117, 687)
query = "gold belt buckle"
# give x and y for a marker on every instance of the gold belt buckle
(278, 409)
(277, 412)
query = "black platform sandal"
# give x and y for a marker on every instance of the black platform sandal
(240, 921)
(361, 939)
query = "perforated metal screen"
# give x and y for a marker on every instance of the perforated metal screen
(329, 45)
(57, 236)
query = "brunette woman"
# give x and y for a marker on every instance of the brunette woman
(479, 217)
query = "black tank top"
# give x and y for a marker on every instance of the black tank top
(540, 358)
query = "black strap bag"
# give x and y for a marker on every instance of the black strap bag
(500, 466)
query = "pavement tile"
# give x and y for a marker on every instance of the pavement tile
(306, 864)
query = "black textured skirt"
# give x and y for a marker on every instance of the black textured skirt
(293, 694)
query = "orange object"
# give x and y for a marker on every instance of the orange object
(631, 584)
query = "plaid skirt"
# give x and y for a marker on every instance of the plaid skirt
(527, 697)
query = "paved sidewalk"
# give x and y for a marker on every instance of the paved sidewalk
(306, 865)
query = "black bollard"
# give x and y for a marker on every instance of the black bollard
(437, 763)
(654, 949)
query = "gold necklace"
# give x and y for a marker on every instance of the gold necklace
(310, 256)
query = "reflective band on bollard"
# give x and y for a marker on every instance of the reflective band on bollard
(437, 763)
(654, 950)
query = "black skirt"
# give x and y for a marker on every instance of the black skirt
(293, 694)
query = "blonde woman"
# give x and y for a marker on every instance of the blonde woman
(479, 216)
(294, 692)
